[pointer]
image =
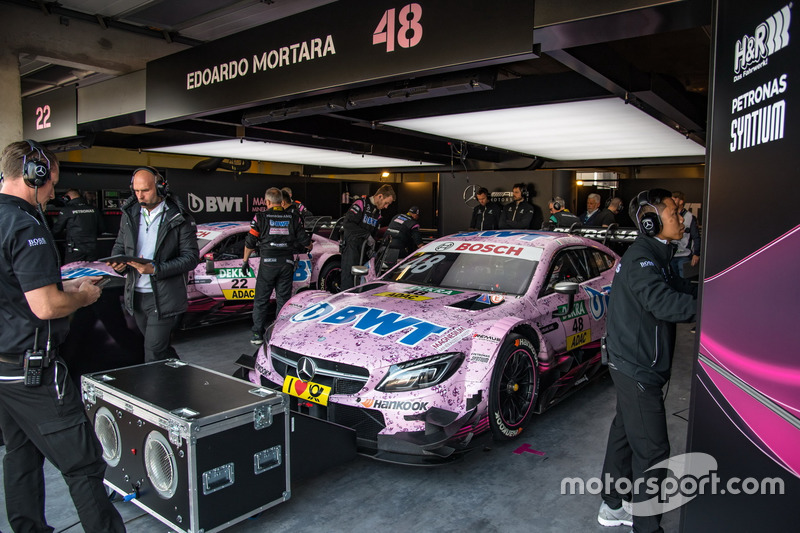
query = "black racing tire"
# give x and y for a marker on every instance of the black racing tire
(514, 388)
(330, 278)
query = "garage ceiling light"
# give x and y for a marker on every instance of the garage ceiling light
(586, 130)
(285, 153)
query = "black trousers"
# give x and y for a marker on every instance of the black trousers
(277, 276)
(156, 331)
(637, 440)
(351, 256)
(37, 425)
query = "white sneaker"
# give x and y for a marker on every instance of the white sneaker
(607, 516)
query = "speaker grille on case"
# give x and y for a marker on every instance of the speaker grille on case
(160, 464)
(107, 431)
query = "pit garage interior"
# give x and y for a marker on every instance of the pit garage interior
(622, 95)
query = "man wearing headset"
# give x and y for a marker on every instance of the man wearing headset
(560, 217)
(155, 226)
(41, 411)
(647, 299)
(81, 224)
(517, 214)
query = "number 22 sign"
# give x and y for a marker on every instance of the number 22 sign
(409, 33)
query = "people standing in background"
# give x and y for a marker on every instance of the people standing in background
(403, 236)
(485, 215)
(302, 210)
(592, 209)
(608, 215)
(156, 226)
(560, 217)
(360, 226)
(688, 246)
(80, 224)
(518, 214)
(278, 234)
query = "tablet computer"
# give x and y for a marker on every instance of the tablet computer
(124, 259)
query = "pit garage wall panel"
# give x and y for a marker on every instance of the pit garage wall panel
(746, 390)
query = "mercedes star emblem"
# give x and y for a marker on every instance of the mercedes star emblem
(306, 368)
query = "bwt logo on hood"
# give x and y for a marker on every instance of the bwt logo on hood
(214, 204)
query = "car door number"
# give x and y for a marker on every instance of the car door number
(577, 325)
(238, 284)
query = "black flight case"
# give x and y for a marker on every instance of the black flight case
(195, 448)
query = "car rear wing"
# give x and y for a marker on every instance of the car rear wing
(611, 234)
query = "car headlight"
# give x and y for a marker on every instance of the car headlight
(420, 373)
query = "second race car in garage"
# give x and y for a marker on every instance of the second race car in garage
(475, 332)
(217, 289)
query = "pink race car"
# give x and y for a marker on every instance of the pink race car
(216, 288)
(475, 332)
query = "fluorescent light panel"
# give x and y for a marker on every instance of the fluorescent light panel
(284, 153)
(590, 129)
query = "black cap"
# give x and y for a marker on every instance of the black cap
(413, 210)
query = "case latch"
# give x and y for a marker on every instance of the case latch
(175, 433)
(89, 393)
(262, 416)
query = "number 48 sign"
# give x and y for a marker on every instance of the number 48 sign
(409, 32)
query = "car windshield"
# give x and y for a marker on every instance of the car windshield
(482, 272)
(202, 242)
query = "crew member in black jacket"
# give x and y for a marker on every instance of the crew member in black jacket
(361, 224)
(519, 213)
(155, 226)
(403, 236)
(81, 224)
(647, 299)
(277, 234)
(485, 215)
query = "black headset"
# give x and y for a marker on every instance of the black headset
(556, 204)
(35, 172)
(162, 187)
(649, 223)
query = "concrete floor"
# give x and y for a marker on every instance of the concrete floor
(491, 490)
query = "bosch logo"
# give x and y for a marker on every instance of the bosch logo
(306, 369)
(444, 246)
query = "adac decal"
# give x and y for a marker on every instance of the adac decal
(307, 390)
(579, 309)
(371, 320)
(579, 339)
(403, 296)
(598, 301)
(233, 273)
(394, 405)
(239, 294)
(436, 290)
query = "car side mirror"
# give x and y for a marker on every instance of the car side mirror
(359, 270)
(210, 267)
(570, 288)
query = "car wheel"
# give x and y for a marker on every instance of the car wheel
(330, 278)
(514, 388)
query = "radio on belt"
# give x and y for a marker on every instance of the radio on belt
(195, 448)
